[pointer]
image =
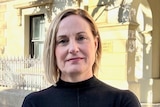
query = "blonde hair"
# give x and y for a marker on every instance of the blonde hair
(49, 58)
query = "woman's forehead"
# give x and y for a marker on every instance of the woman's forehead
(73, 23)
(73, 20)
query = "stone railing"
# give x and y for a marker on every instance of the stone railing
(22, 73)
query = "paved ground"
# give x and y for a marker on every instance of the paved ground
(151, 105)
(12, 97)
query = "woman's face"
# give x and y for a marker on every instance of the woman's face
(75, 49)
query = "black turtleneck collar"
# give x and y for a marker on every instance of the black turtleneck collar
(86, 83)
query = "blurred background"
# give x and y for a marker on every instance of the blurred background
(130, 33)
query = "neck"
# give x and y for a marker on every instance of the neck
(75, 77)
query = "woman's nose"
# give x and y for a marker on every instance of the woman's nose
(73, 47)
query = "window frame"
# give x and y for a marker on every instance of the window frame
(32, 40)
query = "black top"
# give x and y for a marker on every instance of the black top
(88, 93)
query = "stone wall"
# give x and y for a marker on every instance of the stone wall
(3, 26)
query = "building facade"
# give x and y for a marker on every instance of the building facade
(129, 31)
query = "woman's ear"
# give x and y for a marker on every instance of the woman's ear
(96, 42)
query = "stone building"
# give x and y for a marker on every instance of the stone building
(129, 30)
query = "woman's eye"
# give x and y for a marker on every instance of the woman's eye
(80, 38)
(62, 41)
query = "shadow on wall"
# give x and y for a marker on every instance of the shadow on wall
(59, 5)
(54, 7)
(123, 13)
(62, 5)
(2, 49)
(102, 3)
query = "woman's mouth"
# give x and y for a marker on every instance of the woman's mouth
(75, 59)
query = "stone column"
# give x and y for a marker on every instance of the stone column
(150, 84)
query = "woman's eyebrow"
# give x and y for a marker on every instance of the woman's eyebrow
(80, 32)
(61, 36)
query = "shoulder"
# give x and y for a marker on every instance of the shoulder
(43, 92)
(129, 99)
(106, 87)
(125, 98)
(37, 96)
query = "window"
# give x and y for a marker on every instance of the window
(37, 35)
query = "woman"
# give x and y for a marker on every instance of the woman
(72, 53)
